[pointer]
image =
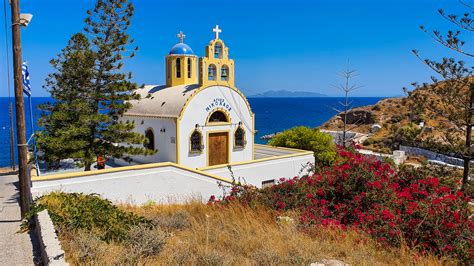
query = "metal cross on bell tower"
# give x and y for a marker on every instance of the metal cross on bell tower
(181, 36)
(216, 30)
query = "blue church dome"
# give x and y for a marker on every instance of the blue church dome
(181, 48)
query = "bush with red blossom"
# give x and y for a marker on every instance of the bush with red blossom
(408, 205)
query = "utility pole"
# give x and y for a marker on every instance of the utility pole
(12, 138)
(468, 154)
(20, 111)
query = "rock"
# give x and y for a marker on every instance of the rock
(285, 220)
(330, 262)
(360, 117)
(428, 129)
(375, 128)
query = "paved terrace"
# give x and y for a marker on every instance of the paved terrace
(265, 151)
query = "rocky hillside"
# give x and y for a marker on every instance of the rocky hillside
(405, 120)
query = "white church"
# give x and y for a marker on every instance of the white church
(198, 118)
(203, 130)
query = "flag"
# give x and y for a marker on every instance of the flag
(26, 79)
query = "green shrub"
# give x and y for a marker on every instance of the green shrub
(408, 135)
(74, 211)
(376, 108)
(308, 139)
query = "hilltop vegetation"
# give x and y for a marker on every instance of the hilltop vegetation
(407, 121)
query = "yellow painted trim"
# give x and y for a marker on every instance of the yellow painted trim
(181, 113)
(282, 148)
(220, 109)
(149, 116)
(125, 168)
(189, 141)
(253, 136)
(245, 139)
(228, 144)
(177, 141)
(257, 160)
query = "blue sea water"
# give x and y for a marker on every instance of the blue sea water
(271, 115)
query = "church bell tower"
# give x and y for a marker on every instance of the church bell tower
(216, 68)
(181, 64)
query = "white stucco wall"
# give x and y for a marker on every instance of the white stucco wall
(165, 141)
(163, 184)
(255, 173)
(198, 111)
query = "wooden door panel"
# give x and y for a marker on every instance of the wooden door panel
(218, 148)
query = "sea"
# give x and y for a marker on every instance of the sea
(272, 115)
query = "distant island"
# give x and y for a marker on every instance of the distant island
(287, 94)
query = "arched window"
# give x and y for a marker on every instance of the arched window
(239, 137)
(211, 73)
(178, 67)
(218, 50)
(189, 68)
(196, 141)
(150, 137)
(218, 116)
(225, 73)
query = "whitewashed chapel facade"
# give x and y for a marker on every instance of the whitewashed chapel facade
(199, 118)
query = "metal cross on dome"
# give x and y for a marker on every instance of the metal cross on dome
(216, 30)
(181, 36)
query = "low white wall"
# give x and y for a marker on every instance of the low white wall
(256, 172)
(431, 155)
(51, 250)
(163, 184)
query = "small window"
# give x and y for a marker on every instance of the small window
(218, 50)
(178, 67)
(196, 141)
(211, 72)
(189, 68)
(239, 137)
(218, 116)
(224, 73)
(150, 137)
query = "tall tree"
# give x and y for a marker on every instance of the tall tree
(92, 86)
(64, 120)
(112, 89)
(452, 98)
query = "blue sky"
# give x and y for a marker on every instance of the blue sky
(277, 45)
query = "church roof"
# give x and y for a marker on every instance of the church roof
(161, 101)
(181, 48)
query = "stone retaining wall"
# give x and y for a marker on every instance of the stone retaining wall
(431, 155)
(51, 251)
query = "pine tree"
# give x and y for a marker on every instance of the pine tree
(91, 92)
(453, 99)
(63, 120)
(112, 89)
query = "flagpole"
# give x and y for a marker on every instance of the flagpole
(33, 135)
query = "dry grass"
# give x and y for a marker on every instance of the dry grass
(197, 234)
(208, 235)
